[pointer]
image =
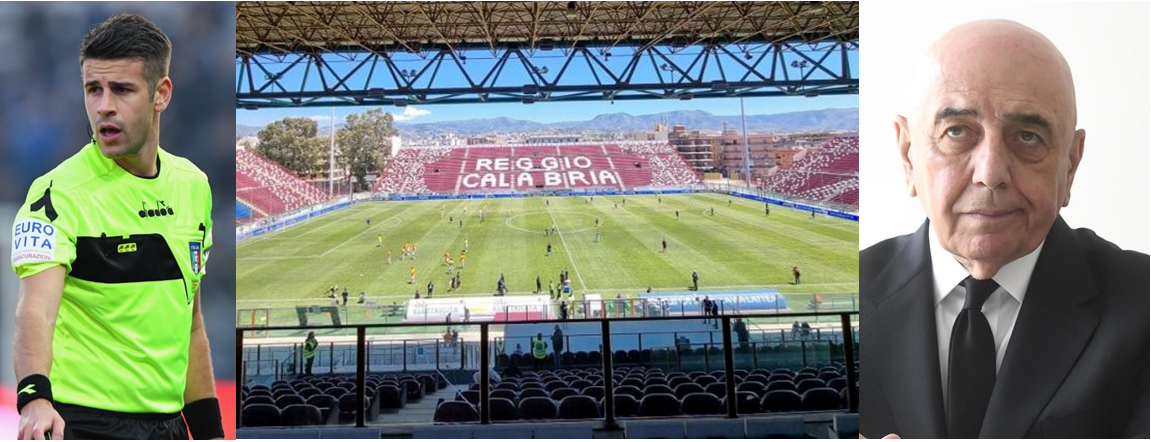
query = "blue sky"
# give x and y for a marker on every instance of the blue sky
(545, 112)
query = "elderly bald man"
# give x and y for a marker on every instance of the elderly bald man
(996, 319)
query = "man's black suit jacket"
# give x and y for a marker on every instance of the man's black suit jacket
(1076, 365)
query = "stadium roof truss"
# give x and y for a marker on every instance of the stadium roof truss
(298, 54)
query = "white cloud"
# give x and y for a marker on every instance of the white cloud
(320, 118)
(410, 113)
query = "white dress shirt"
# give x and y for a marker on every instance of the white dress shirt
(1001, 309)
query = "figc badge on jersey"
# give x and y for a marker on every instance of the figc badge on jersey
(194, 250)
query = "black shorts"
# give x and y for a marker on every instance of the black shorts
(91, 423)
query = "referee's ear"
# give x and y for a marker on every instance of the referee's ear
(163, 94)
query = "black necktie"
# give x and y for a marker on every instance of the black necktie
(971, 364)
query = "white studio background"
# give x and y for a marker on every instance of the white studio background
(1107, 46)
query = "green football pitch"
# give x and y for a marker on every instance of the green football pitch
(739, 247)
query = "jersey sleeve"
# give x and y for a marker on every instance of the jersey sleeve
(44, 232)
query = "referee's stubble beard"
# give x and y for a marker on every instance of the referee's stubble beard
(124, 109)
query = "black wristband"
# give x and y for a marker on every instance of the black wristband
(31, 388)
(203, 418)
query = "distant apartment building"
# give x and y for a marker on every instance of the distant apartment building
(695, 147)
(723, 152)
(486, 139)
(440, 139)
(657, 134)
(767, 151)
(552, 139)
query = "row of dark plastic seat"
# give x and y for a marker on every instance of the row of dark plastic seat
(680, 391)
(347, 381)
(415, 386)
(275, 405)
(414, 390)
(652, 405)
(641, 379)
(260, 411)
(622, 357)
(294, 402)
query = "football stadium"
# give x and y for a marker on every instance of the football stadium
(664, 282)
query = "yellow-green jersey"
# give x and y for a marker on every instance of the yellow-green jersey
(134, 251)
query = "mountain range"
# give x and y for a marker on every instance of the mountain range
(245, 131)
(822, 120)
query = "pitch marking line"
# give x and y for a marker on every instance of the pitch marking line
(799, 233)
(265, 236)
(312, 256)
(276, 258)
(566, 249)
(509, 220)
(294, 226)
(396, 216)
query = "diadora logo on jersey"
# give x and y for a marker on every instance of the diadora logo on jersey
(160, 209)
(194, 250)
(33, 240)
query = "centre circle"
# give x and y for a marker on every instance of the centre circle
(567, 222)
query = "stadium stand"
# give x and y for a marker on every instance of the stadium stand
(828, 173)
(519, 398)
(243, 212)
(690, 397)
(331, 401)
(265, 188)
(405, 172)
(446, 170)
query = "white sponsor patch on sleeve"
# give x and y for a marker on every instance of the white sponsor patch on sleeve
(33, 241)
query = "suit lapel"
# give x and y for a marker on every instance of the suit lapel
(909, 362)
(1050, 333)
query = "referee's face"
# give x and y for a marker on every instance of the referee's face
(122, 110)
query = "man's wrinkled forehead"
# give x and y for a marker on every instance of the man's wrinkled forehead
(998, 67)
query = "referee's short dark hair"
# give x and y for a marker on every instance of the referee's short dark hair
(130, 36)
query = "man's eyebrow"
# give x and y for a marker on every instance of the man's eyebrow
(1029, 119)
(950, 112)
(123, 84)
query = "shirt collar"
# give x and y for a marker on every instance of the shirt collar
(1013, 277)
(110, 168)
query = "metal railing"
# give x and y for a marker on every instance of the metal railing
(485, 359)
(402, 355)
(386, 355)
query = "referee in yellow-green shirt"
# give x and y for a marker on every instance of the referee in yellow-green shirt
(110, 247)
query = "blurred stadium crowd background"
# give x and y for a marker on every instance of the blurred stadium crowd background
(42, 114)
